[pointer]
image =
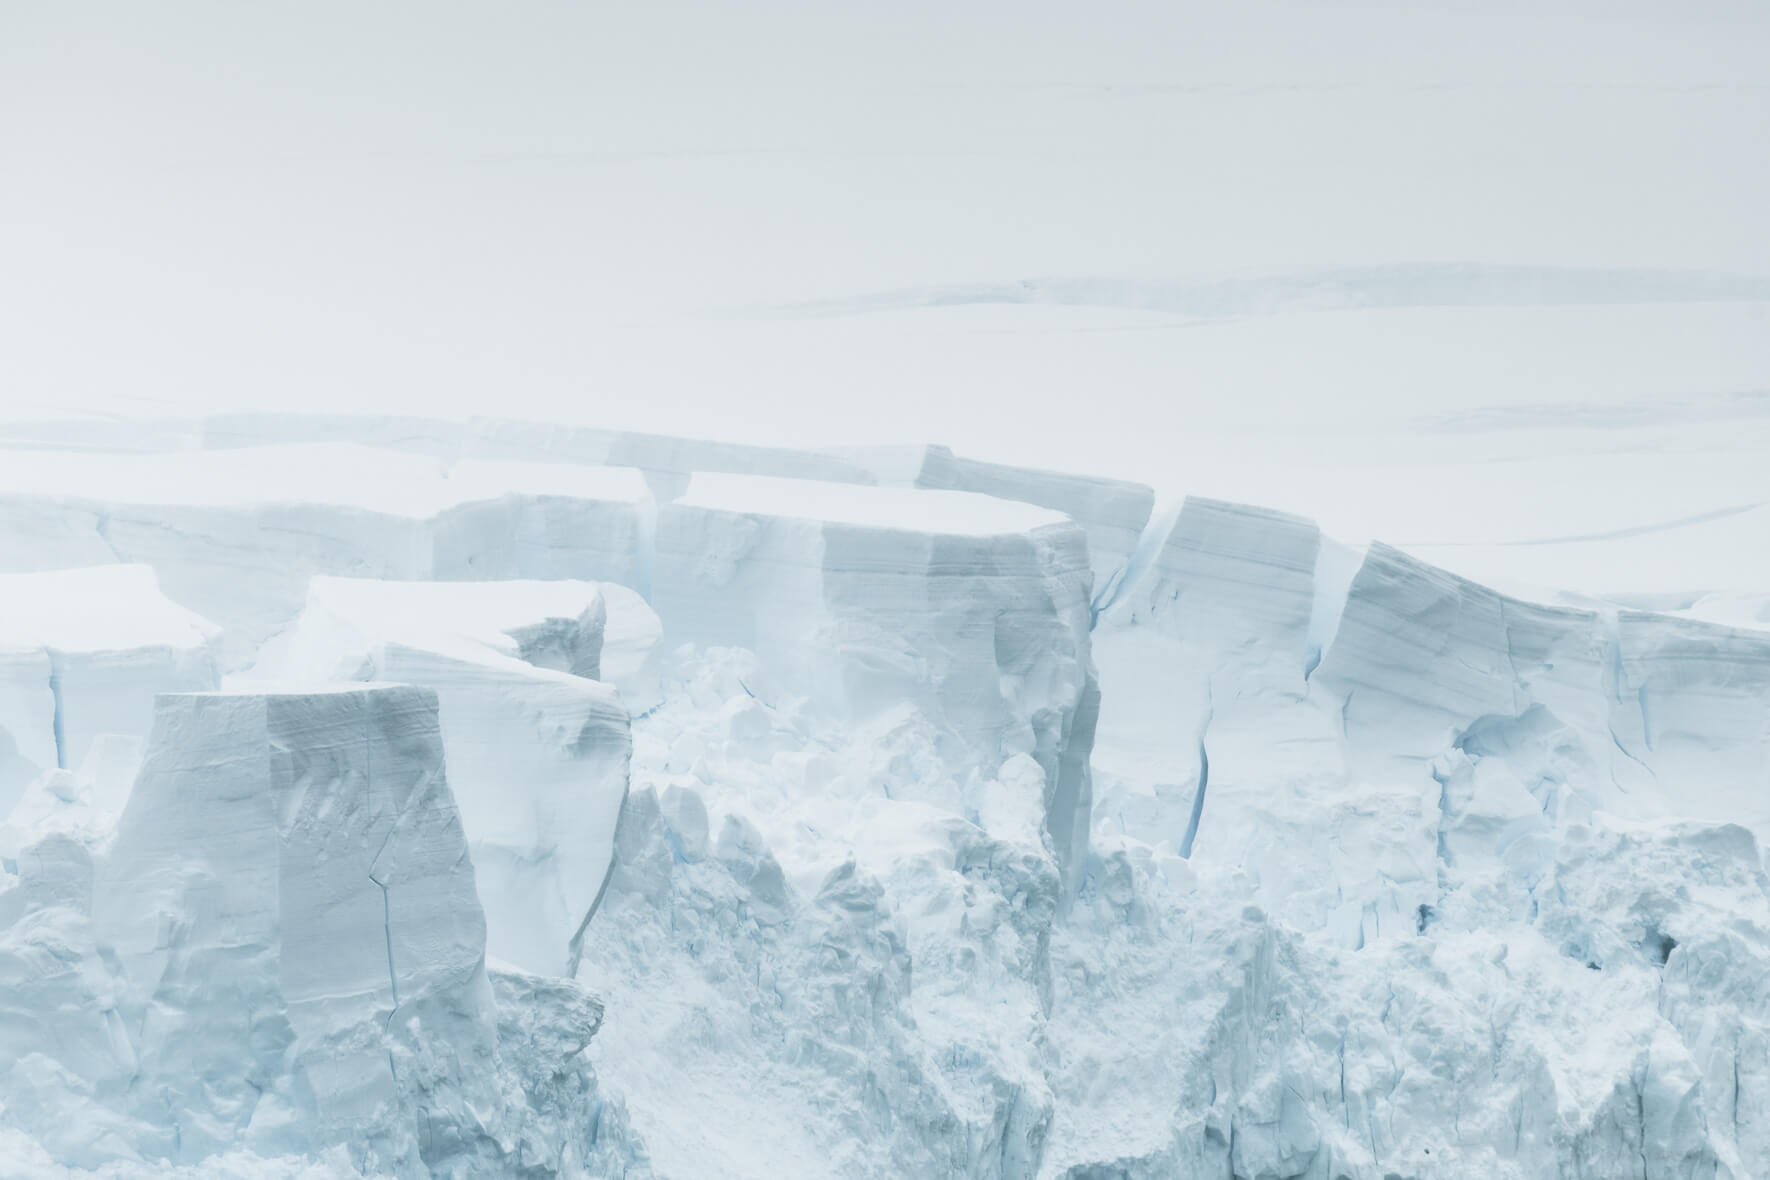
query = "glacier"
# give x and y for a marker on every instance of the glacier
(554, 817)
(1155, 592)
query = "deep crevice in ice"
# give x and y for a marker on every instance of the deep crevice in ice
(1198, 801)
(58, 724)
(1143, 555)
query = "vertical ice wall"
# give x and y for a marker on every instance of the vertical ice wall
(1690, 713)
(291, 906)
(82, 653)
(971, 610)
(236, 534)
(1233, 582)
(1670, 716)
(1113, 512)
(1199, 651)
(537, 751)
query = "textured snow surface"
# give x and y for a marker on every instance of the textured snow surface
(634, 822)
(235, 534)
(280, 953)
(537, 749)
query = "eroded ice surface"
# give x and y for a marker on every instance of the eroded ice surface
(281, 954)
(969, 610)
(82, 653)
(928, 854)
(537, 748)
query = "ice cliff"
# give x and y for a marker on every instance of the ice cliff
(1113, 512)
(969, 611)
(281, 952)
(82, 653)
(842, 815)
(538, 749)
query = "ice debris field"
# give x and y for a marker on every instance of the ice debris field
(406, 799)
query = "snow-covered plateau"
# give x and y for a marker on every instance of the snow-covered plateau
(392, 809)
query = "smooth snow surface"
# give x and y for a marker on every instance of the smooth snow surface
(970, 611)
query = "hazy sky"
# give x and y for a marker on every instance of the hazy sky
(596, 212)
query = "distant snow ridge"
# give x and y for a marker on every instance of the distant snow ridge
(971, 611)
(1402, 285)
(821, 821)
(1113, 512)
(1426, 822)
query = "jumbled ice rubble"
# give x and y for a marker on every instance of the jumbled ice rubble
(406, 798)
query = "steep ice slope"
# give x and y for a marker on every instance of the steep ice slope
(82, 653)
(1691, 713)
(537, 749)
(1234, 579)
(1373, 963)
(281, 953)
(235, 534)
(1202, 646)
(971, 610)
(1443, 828)
(350, 923)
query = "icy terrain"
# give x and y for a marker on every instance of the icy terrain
(788, 826)
(731, 592)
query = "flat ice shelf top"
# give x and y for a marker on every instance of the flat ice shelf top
(454, 606)
(466, 620)
(96, 608)
(397, 483)
(968, 514)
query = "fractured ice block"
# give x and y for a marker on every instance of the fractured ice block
(537, 750)
(291, 906)
(82, 653)
(970, 608)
